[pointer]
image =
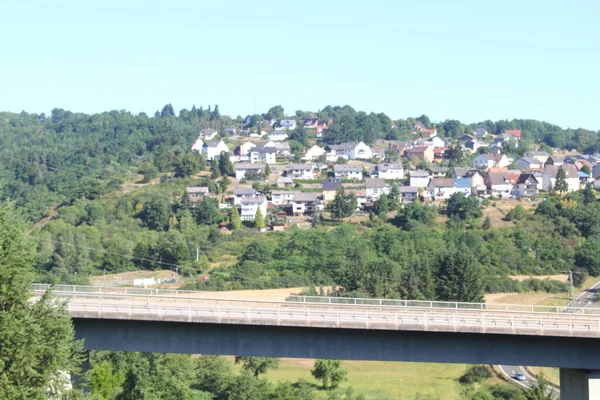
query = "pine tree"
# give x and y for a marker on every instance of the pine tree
(561, 185)
(267, 171)
(338, 207)
(381, 205)
(234, 219)
(588, 194)
(259, 222)
(186, 202)
(394, 198)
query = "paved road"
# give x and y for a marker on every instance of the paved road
(587, 299)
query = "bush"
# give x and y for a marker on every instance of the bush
(476, 373)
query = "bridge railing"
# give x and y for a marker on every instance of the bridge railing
(81, 290)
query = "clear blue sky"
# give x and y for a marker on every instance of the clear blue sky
(468, 59)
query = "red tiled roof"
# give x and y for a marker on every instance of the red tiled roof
(513, 132)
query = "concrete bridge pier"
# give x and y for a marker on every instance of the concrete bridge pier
(576, 384)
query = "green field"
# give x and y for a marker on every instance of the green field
(384, 380)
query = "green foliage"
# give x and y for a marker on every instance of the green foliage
(234, 219)
(189, 164)
(463, 207)
(382, 205)
(207, 211)
(476, 374)
(330, 372)
(156, 213)
(104, 381)
(259, 221)
(225, 165)
(257, 365)
(587, 255)
(459, 276)
(561, 186)
(342, 205)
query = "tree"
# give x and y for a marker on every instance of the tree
(207, 211)
(259, 221)
(37, 350)
(257, 365)
(104, 381)
(234, 218)
(487, 224)
(381, 205)
(225, 165)
(299, 135)
(267, 170)
(463, 207)
(541, 391)
(156, 213)
(394, 198)
(188, 164)
(459, 277)
(341, 206)
(330, 372)
(586, 256)
(588, 194)
(561, 186)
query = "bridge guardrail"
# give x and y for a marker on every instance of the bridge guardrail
(98, 290)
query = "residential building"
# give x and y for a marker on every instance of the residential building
(499, 184)
(503, 138)
(478, 184)
(208, 134)
(408, 194)
(348, 171)
(330, 187)
(540, 156)
(463, 185)
(313, 153)
(304, 203)
(197, 146)
(265, 155)
(212, 149)
(375, 187)
(390, 171)
(480, 131)
(300, 171)
(278, 136)
(286, 124)
(249, 206)
(281, 148)
(466, 138)
(352, 150)
(242, 193)
(282, 197)
(284, 182)
(242, 169)
(419, 127)
(244, 148)
(424, 153)
(439, 172)
(435, 142)
(419, 178)
(230, 131)
(459, 172)
(321, 127)
(441, 188)
(429, 132)
(196, 193)
(528, 163)
(311, 123)
(549, 177)
(361, 196)
(555, 160)
(486, 161)
(527, 185)
(516, 133)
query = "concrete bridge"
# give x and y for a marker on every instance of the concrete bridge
(131, 319)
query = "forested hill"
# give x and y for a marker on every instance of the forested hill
(47, 160)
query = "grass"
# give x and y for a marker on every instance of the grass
(551, 374)
(384, 380)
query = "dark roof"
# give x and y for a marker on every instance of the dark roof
(303, 167)
(523, 178)
(499, 178)
(442, 182)
(374, 183)
(332, 184)
(262, 149)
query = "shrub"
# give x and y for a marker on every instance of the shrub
(476, 373)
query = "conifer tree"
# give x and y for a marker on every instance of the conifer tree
(259, 221)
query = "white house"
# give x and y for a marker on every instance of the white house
(486, 161)
(549, 177)
(242, 193)
(390, 171)
(375, 187)
(353, 150)
(278, 136)
(313, 153)
(436, 142)
(197, 146)
(244, 148)
(527, 185)
(300, 171)
(208, 134)
(286, 124)
(441, 188)
(499, 184)
(281, 148)
(419, 178)
(348, 171)
(242, 169)
(304, 203)
(528, 163)
(265, 155)
(249, 205)
(212, 149)
(282, 197)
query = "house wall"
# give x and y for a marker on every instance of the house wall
(392, 174)
(419, 182)
(349, 175)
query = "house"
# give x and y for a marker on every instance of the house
(480, 131)
(499, 184)
(284, 182)
(352, 150)
(282, 197)
(467, 138)
(261, 154)
(196, 193)
(244, 148)
(441, 188)
(242, 169)
(281, 148)
(429, 132)
(463, 185)
(360, 194)
(486, 161)
(408, 194)
(555, 160)
(503, 138)
(549, 177)
(473, 145)
(584, 178)
(528, 163)
(197, 146)
(379, 152)
(390, 171)
(459, 172)
(348, 171)
(478, 184)
(242, 193)
(330, 187)
(230, 131)
(278, 136)
(300, 171)
(286, 124)
(313, 153)
(212, 149)
(304, 203)
(208, 134)
(249, 206)
(424, 153)
(515, 133)
(540, 156)
(419, 178)
(435, 142)
(527, 185)
(311, 123)
(419, 127)
(375, 187)
(321, 127)
(439, 172)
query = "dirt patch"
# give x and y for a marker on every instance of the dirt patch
(559, 277)
(52, 212)
(496, 217)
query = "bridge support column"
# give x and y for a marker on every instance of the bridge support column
(578, 384)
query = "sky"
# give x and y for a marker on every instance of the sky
(449, 59)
